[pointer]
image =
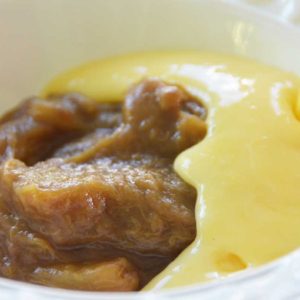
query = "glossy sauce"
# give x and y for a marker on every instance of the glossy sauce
(246, 170)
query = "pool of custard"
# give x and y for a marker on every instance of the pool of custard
(246, 170)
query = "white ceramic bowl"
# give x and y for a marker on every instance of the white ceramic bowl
(40, 38)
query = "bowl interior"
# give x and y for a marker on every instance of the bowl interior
(41, 38)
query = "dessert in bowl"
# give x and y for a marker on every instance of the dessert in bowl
(229, 123)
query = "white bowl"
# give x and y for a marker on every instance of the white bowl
(41, 38)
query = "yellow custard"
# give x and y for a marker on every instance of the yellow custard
(246, 170)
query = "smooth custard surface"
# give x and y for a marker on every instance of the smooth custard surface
(246, 170)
